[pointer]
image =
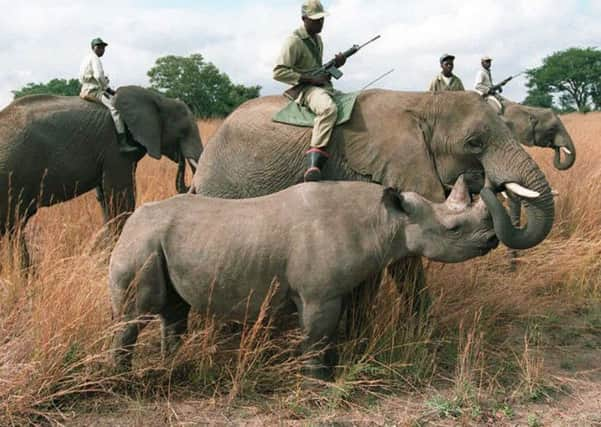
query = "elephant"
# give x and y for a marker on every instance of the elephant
(317, 241)
(54, 148)
(539, 127)
(411, 141)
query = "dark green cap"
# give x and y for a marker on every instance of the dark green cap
(98, 42)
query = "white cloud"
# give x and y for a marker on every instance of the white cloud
(40, 42)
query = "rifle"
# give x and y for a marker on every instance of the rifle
(329, 68)
(499, 86)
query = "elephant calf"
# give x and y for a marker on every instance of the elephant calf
(319, 240)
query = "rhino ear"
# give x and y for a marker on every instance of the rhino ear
(393, 200)
(140, 112)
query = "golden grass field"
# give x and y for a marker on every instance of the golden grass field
(495, 347)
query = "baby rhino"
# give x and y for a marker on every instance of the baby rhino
(317, 240)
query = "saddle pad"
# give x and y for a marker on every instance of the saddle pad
(298, 115)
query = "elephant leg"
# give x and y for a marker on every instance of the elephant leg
(102, 201)
(515, 213)
(15, 229)
(409, 278)
(320, 323)
(174, 317)
(118, 188)
(357, 307)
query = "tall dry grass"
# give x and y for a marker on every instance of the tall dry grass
(481, 333)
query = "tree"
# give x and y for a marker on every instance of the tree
(69, 87)
(571, 76)
(207, 91)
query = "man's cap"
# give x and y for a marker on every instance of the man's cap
(446, 56)
(98, 42)
(486, 58)
(313, 9)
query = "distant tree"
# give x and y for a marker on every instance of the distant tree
(69, 87)
(207, 91)
(572, 77)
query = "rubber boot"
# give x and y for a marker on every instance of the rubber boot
(316, 159)
(124, 146)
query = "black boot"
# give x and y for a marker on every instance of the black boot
(316, 158)
(124, 146)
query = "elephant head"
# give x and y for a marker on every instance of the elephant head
(465, 137)
(163, 126)
(541, 127)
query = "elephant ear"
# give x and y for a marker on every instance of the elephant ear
(390, 145)
(140, 112)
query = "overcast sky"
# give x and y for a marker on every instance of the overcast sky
(43, 39)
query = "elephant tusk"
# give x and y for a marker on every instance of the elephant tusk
(504, 195)
(193, 163)
(565, 150)
(521, 191)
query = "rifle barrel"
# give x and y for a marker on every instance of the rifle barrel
(372, 40)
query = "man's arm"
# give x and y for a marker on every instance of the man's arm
(459, 84)
(99, 72)
(284, 69)
(432, 87)
(480, 85)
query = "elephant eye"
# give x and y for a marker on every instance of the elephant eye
(473, 144)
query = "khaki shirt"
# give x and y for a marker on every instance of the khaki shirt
(483, 82)
(296, 58)
(438, 84)
(92, 77)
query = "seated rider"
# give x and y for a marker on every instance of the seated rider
(300, 58)
(95, 87)
(446, 80)
(484, 82)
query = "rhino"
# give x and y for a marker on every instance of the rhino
(317, 241)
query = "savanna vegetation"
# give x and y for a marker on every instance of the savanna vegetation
(494, 347)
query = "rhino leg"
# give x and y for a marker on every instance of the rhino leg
(174, 318)
(136, 295)
(319, 320)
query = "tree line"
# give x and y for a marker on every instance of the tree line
(568, 80)
(207, 91)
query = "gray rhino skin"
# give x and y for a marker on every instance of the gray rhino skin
(55, 148)
(319, 240)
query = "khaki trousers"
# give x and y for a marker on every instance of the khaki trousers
(320, 102)
(108, 102)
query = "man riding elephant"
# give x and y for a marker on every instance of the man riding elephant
(300, 58)
(446, 80)
(95, 88)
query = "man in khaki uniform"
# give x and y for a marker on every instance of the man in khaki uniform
(300, 59)
(484, 78)
(95, 88)
(446, 80)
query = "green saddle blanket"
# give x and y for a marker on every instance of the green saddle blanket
(298, 115)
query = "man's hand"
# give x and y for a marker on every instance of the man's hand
(319, 80)
(339, 60)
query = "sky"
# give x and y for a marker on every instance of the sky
(42, 39)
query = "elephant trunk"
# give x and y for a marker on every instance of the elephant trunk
(564, 143)
(180, 179)
(524, 177)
